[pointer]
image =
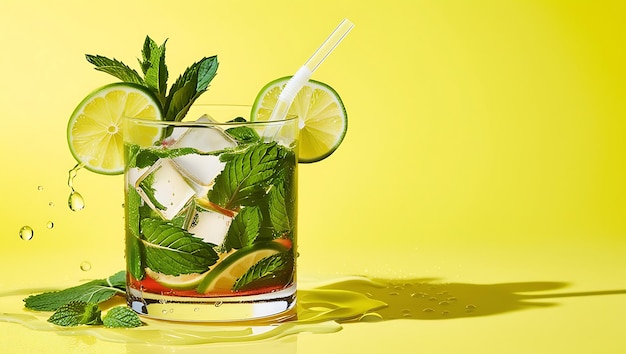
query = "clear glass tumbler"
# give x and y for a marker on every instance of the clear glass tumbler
(211, 215)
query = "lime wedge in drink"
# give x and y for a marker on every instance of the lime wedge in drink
(223, 276)
(178, 282)
(94, 131)
(323, 118)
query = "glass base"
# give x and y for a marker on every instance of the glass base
(275, 306)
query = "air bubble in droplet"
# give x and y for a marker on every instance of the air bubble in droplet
(85, 266)
(26, 233)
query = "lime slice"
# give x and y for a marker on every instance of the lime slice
(94, 131)
(178, 282)
(323, 118)
(223, 276)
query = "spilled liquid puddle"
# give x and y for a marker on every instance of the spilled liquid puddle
(318, 311)
(322, 308)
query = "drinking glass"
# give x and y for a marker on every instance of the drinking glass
(211, 216)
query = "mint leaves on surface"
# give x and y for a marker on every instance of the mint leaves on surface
(95, 291)
(76, 313)
(183, 93)
(79, 305)
(121, 317)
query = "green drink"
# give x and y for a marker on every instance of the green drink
(211, 216)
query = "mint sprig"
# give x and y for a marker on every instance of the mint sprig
(188, 87)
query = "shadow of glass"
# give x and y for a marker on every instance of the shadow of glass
(425, 299)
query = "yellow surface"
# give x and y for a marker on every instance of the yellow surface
(485, 151)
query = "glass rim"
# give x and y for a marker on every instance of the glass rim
(190, 123)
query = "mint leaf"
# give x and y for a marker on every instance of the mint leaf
(134, 250)
(154, 68)
(174, 251)
(188, 87)
(246, 176)
(280, 215)
(76, 313)
(266, 269)
(244, 135)
(146, 186)
(121, 317)
(95, 291)
(244, 228)
(115, 68)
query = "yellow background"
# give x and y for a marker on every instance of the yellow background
(486, 145)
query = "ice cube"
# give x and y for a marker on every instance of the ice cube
(205, 139)
(133, 174)
(202, 169)
(209, 225)
(164, 189)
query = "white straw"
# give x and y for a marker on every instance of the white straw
(302, 76)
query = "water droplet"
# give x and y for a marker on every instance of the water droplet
(371, 317)
(444, 303)
(85, 266)
(171, 310)
(419, 295)
(470, 307)
(369, 295)
(197, 309)
(428, 309)
(122, 205)
(164, 311)
(432, 298)
(76, 201)
(407, 315)
(218, 304)
(445, 313)
(451, 298)
(51, 204)
(39, 188)
(49, 224)
(394, 293)
(26, 233)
